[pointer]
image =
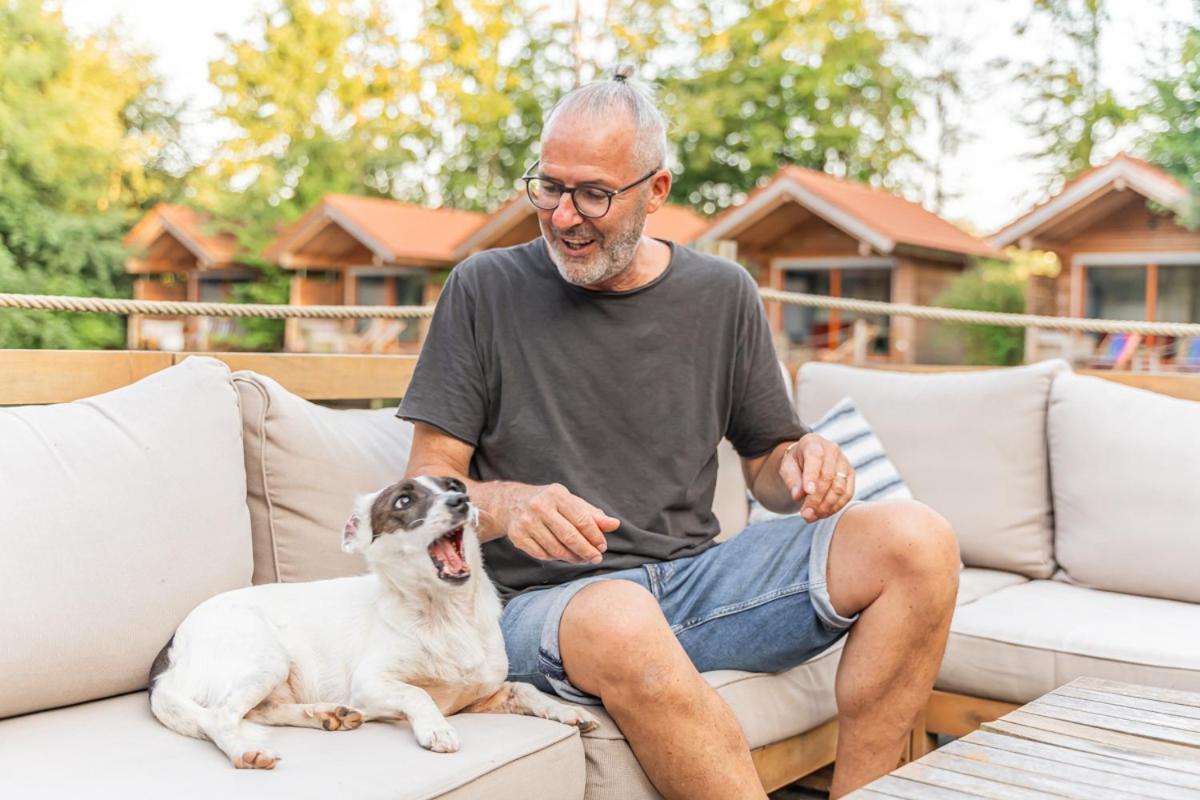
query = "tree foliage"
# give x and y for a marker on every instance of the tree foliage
(85, 144)
(792, 82)
(1071, 110)
(1175, 104)
(989, 286)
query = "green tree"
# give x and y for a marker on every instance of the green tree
(320, 100)
(1175, 103)
(989, 286)
(1072, 111)
(86, 142)
(791, 82)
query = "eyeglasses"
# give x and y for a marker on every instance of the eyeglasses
(591, 202)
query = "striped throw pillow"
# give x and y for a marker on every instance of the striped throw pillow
(876, 477)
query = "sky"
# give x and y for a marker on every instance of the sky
(991, 178)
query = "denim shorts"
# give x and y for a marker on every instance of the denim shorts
(757, 602)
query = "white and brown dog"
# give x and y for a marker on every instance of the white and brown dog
(418, 638)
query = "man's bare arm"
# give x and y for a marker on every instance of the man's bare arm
(547, 522)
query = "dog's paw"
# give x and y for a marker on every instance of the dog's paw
(257, 759)
(341, 718)
(438, 738)
(574, 716)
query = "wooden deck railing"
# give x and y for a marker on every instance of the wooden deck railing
(55, 376)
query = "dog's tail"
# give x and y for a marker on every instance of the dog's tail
(179, 712)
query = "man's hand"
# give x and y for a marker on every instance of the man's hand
(816, 470)
(548, 523)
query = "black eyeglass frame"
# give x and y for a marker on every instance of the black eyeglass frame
(571, 190)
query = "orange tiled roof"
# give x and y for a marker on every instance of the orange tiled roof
(677, 223)
(1121, 164)
(874, 211)
(396, 231)
(191, 228)
(408, 231)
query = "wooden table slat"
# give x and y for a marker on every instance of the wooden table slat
(1065, 750)
(1176, 696)
(893, 786)
(872, 794)
(1092, 782)
(1149, 730)
(1174, 756)
(1015, 776)
(1087, 740)
(1128, 701)
(936, 776)
(1122, 712)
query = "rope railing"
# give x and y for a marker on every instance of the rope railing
(985, 317)
(271, 311)
(179, 308)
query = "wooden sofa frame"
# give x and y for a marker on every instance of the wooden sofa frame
(55, 376)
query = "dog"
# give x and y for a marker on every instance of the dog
(416, 638)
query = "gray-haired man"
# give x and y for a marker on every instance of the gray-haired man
(580, 384)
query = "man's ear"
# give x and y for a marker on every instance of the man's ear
(660, 189)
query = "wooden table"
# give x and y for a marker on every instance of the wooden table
(1090, 739)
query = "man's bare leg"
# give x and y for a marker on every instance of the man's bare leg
(897, 565)
(616, 644)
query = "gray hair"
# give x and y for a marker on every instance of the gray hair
(598, 99)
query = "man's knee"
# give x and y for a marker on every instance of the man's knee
(613, 637)
(895, 541)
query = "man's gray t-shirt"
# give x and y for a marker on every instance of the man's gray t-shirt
(622, 397)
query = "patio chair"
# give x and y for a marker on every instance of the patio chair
(1187, 356)
(1115, 351)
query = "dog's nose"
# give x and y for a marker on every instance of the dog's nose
(456, 499)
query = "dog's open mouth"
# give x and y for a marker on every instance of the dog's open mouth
(447, 556)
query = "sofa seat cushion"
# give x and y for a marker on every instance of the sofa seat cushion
(304, 466)
(1018, 643)
(974, 583)
(119, 513)
(116, 749)
(970, 444)
(1125, 470)
(770, 708)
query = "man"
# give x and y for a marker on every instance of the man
(579, 384)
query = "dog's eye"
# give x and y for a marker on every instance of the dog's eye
(404, 501)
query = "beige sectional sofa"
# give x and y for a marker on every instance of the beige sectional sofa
(1076, 502)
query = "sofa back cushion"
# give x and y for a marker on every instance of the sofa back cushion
(970, 444)
(1125, 471)
(304, 466)
(118, 514)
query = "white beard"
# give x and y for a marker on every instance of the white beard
(614, 253)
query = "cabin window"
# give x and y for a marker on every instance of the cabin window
(1179, 293)
(391, 290)
(1116, 293)
(810, 327)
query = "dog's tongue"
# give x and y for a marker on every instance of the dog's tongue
(447, 553)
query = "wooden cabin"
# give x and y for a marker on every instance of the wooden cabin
(368, 251)
(178, 256)
(516, 222)
(1122, 251)
(807, 231)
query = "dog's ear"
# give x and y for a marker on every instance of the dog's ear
(356, 535)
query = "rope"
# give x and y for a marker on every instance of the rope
(985, 317)
(174, 308)
(267, 311)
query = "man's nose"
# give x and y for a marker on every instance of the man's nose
(566, 215)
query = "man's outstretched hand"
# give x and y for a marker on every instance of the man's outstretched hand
(816, 470)
(550, 523)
